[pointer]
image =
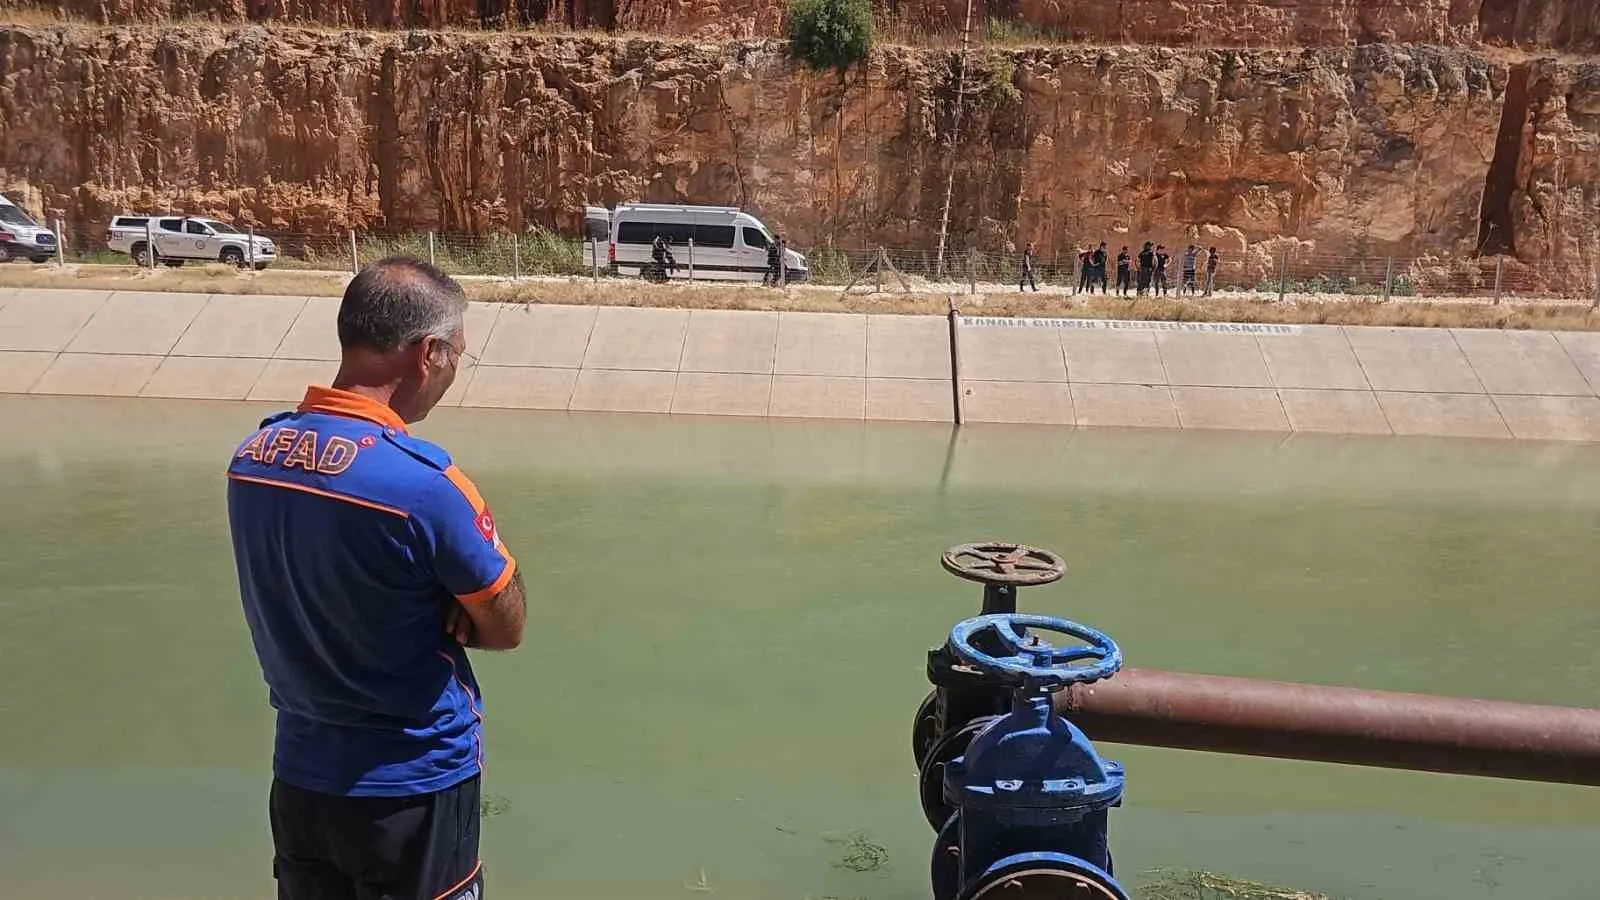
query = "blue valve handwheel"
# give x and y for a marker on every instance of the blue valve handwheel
(1031, 659)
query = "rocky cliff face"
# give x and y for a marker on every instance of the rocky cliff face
(1374, 149)
(1572, 25)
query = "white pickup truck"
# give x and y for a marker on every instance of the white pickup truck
(179, 239)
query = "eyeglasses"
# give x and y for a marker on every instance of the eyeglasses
(460, 352)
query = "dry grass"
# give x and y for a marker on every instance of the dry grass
(216, 278)
(212, 278)
(36, 17)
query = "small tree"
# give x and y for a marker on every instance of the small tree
(830, 34)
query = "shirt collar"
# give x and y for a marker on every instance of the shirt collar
(345, 403)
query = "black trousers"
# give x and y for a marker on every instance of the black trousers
(1124, 281)
(423, 847)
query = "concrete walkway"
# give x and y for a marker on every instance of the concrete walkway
(1465, 383)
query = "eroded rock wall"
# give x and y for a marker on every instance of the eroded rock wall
(1369, 150)
(1569, 25)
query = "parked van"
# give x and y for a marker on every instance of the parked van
(729, 245)
(22, 237)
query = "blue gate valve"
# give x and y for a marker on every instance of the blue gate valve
(1031, 796)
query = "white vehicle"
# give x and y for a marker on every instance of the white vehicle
(729, 245)
(22, 237)
(182, 238)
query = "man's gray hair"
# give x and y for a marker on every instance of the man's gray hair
(398, 301)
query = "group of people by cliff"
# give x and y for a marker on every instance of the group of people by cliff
(1149, 267)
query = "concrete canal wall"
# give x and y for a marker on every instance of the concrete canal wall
(1460, 383)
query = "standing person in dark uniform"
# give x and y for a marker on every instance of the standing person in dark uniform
(1211, 270)
(368, 564)
(1083, 270)
(1162, 256)
(662, 257)
(1124, 272)
(1147, 268)
(1098, 260)
(1027, 269)
(771, 277)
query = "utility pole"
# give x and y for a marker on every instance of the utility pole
(955, 131)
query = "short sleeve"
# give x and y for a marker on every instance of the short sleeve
(468, 556)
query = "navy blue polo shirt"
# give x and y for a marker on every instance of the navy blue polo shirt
(352, 538)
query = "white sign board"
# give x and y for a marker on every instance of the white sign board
(1124, 325)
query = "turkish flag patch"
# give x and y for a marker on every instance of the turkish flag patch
(485, 523)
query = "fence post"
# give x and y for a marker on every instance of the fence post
(250, 246)
(355, 258)
(1283, 274)
(150, 244)
(691, 260)
(877, 272)
(1388, 279)
(972, 274)
(594, 258)
(430, 249)
(1596, 301)
(1499, 270)
(61, 243)
(516, 256)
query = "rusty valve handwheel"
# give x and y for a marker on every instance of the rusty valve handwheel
(994, 562)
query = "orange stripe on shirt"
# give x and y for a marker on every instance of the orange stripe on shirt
(472, 704)
(467, 488)
(479, 506)
(496, 586)
(273, 482)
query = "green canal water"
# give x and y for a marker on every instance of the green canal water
(727, 627)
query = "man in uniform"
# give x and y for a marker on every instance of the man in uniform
(1027, 269)
(367, 563)
(1099, 263)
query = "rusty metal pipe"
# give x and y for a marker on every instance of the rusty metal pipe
(1341, 725)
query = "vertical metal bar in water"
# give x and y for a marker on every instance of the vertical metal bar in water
(355, 258)
(999, 599)
(1388, 279)
(1499, 270)
(955, 360)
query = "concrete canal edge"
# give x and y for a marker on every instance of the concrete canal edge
(1084, 372)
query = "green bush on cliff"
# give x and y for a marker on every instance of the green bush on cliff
(830, 34)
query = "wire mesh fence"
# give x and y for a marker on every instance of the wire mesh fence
(1285, 274)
